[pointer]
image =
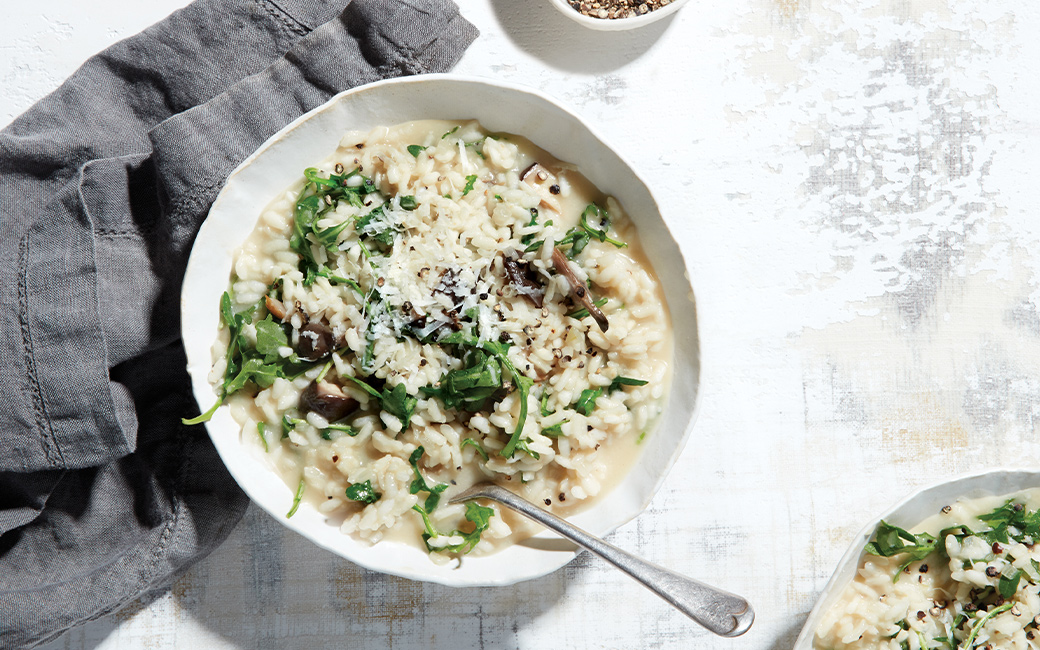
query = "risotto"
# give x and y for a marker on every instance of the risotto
(436, 306)
(967, 577)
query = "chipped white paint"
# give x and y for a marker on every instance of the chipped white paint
(852, 184)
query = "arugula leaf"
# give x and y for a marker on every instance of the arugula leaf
(470, 181)
(319, 196)
(399, 403)
(345, 428)
(554, 431)
(260, 431)
(363, 493)
(296, 499)
(891, 540)
(419, 483)
(471, 442)
(593, 210)
(409, 203)
(470, 386)
(499, 351)
(970, 642)
(617, 382)
(586, 403)
(1007, 586)
(329, 237)
(415, 149)
(545, 403)
(527, 239)
(523, 446)
(375, 227)
(450, 132)
(364, 386)
(270, 338)
(326, 433)
(478, 515)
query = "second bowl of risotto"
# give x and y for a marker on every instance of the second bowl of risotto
(428, 283)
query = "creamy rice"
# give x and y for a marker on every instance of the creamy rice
(979, 588)
(453, 251)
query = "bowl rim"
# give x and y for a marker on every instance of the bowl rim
(618, 24)
(276, 511)
(959, 486)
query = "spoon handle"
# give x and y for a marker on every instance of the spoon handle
(721, 612)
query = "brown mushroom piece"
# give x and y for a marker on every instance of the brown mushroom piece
(543, 180)
(518, 271)
(327, 400)
(579, 292)
(316, 341)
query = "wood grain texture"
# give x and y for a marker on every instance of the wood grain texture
(851, 184)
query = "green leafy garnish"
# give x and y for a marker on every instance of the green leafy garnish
(395, 401)
(596, 212)
(363, 493)
(450, 132)
(247, 363)
(617, 382)
(419, 483)
(586, 403)
(260, 431)
(320, 196)
(399, 403)
(522, 445)
(364, 386)
(470, 181)
(471, 442)
(478, 515)
(373, 224)
(470, 386)
(983, 620)
(554, 431)
(415, 149)
(545, 403)
(296, 499)
(326, 433)
(1008, 585)
(484, 378)
(892, 540)
(408, 203)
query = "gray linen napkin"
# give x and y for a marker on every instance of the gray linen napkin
(104, 494)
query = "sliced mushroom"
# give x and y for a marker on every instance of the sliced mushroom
(276, 307)
(327, 400)
(518, 271)
(316, 341)
(579, 292)
(543, 180)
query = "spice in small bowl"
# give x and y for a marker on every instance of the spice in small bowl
(616, 15)
(615, 9)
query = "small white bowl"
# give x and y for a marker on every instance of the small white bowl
(906, 514)
(617, 24)
(312, 138)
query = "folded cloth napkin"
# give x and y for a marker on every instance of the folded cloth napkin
(104, 494)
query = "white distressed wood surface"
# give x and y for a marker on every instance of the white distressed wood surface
(852, 182)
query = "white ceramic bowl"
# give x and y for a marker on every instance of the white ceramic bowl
(906, 514)
(312, 138)
(617, 24)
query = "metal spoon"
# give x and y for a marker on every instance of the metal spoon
(721, 612)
